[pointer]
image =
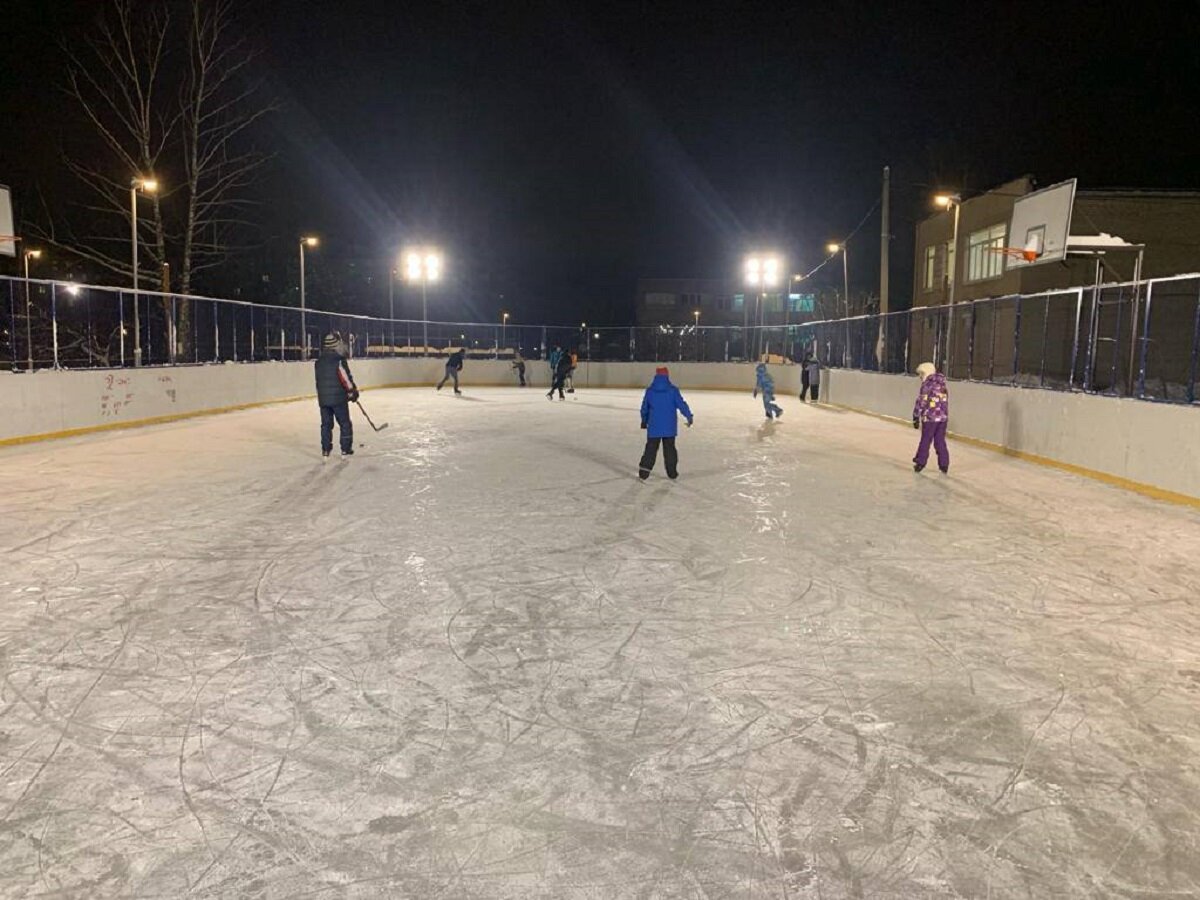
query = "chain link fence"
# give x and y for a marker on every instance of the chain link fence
(1138, 339)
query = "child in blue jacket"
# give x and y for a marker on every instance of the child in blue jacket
(766, 384)
(660, 408)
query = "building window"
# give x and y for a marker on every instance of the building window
(660, 300)
(930, 279)
(983, 257)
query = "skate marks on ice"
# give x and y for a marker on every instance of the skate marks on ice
(463, 665)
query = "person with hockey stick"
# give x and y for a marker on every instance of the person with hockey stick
(561, 371)
(336, 390)
(765, 383)
(660, 407)
(453, 366)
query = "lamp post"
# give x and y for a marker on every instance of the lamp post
(392, 307)
(696, 329)
(503, 332)
(146, 186)
(307, 241)
(29, 254)
(762, 271)
(831, 249)
(423, 264)
(951, 201)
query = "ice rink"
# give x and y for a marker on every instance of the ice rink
(482, 660)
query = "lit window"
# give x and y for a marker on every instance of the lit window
(930, 268)
(983, 257)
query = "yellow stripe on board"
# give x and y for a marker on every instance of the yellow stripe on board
(1146, 490)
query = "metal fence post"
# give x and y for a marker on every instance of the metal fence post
(1191, 390)
(1045, 336)
(12, 325)
(121, 323)
(1075, 339)
(54, 320)
(1016, 357)
(252, 357)
(632, 343)
(1093, 332)
(971, 342)
(216, 332)
(1141, 382)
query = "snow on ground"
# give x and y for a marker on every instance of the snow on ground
(481, 660)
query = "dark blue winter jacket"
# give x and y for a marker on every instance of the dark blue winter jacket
(335, 384)
(659, 407)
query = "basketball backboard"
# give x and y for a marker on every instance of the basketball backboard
(1040, 224)
(8, 247)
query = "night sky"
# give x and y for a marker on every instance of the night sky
(560, 151)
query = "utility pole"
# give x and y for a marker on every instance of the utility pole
(885, 239)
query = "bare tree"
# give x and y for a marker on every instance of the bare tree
(163, 97)
(117, 82)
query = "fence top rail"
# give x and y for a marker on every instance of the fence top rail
(80, 286)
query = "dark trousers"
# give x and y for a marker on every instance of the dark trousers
(521, 372)
(806, 386)
(451, 372)
(340, 412)
(933, 433)
(559, 380)
(650, 456)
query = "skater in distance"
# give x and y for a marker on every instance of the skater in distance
(562, 370)
(810, 377)
(660, 407)
(335, 392)
(765, 383)
(453, 366)
(931, 414)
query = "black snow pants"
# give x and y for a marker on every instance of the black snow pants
(650, 456)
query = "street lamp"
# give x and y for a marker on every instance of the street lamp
(948, 201)
(29, 254)
(423, 264)
(762, 271)
(833, 249)
(307, 241)
(146, 186)
(503, 332)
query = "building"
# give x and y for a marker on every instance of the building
(1167, 223)
(675, 301)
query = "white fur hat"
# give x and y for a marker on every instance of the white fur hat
(926, 369)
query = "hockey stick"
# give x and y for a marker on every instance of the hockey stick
(368, 418)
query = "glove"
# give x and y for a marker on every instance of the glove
(645, 425)
(756, 393)
(689, 423)
(352, 397)
(916, 423)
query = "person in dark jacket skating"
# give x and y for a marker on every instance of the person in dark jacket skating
(561, 370)
(660, 408)
(335, 392)
(453, 366)
(810, 377)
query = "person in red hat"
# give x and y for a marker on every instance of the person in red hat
(660, 408)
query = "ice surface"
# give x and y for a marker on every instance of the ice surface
(481, 660)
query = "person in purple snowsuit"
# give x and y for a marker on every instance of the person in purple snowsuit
(931, 414)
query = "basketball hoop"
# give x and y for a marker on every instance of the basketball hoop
(1021, 253)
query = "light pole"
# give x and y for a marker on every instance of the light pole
(392, 307)
(146, 186)
(503, 333)
(423, 264)
(29, 254)
(831, 249)
(307, 241)
(696, 329)
(762, 271)
(948, 201)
